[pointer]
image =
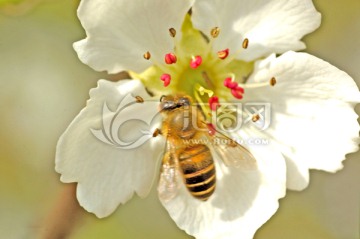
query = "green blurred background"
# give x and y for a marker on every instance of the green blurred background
(43, 86)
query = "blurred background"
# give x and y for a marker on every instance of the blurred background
(43, 86)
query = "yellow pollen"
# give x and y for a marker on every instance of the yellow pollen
(273, 81)
(215, 32)
(147, 55)
(172, 32)
(245, 43)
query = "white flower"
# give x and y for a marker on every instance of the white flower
(313, 123)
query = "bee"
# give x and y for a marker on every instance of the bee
(188, 153)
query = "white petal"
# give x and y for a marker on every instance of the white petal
(107, 172)
(313, 120)
(242, 201)
(270, 25)
(119, 32)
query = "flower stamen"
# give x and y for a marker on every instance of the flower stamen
(273, 81)
(223, 54)
(147, 55)
(215, 32)
(170, 58)
(214, 102)
(255, 118)
(139, 99)
(166, 78)
(228, 60)
(230, 83)
(195, 61)
(238, 92)
(245, 43)
(172, 32)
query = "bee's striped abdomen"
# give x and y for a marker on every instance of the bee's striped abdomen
(198, 169)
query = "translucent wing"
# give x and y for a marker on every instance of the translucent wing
(168, 183)
(236, 156)
(232, 153)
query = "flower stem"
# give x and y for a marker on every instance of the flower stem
(59, 223)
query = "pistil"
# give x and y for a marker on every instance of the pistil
(193, 65)
(199, 92)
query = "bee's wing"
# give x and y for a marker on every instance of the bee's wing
(169, 174)
(236, 156)
(232, 153)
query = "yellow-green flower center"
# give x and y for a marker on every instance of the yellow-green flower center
(194, 66)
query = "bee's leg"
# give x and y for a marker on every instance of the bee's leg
(157, 132)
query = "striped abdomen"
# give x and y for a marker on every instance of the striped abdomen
(198, 169)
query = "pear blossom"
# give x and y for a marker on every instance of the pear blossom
(224, 52)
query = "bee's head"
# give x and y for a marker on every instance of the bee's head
(169, 102)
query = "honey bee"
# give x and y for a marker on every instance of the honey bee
(188, 153)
